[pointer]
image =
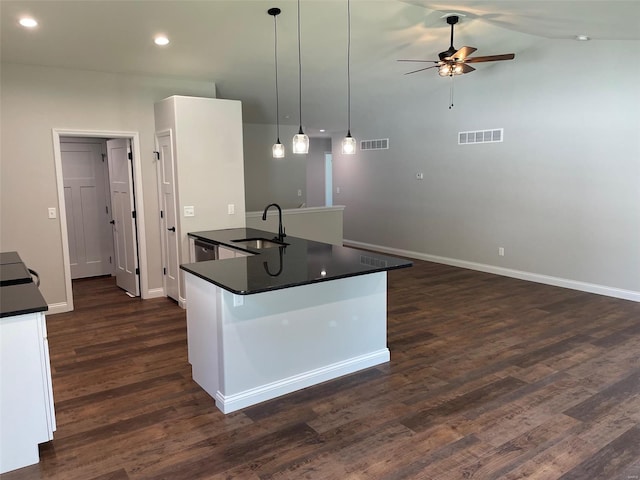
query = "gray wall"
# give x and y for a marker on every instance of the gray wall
(315, 171)
(561, 194)
(268, 179)
(36, 100)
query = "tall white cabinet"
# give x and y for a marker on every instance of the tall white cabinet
(200, 175)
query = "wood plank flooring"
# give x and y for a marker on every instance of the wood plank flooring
(490, 378)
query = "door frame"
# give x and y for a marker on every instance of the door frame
(139, 200)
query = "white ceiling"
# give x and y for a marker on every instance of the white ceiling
(230, 42)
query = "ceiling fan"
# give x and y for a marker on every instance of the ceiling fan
(455, 62)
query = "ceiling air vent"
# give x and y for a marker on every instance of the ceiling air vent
(481, 136)
(380, 144)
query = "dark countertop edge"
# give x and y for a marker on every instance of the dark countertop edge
(291, 285)
(21, 299)
(24, 311)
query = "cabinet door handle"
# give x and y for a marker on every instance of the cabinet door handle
(172, 229)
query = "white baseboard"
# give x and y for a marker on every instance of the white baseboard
(182, 302)
(61, 307)
(506, 272)
(154, 293)
(262, 393)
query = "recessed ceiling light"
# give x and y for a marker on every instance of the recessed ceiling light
(28, 22)
(161, 40)
(582, 38)
(322, 130)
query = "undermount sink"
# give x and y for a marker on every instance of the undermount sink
(259, 243)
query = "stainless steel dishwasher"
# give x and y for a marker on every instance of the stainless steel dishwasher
(205, 250)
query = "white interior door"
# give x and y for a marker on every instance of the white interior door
(169, 235)
(86, 204)
(123, 212)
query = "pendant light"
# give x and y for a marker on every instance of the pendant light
(278, 148)
(348, 142)
(300, 140)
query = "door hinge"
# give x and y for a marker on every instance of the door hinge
(129, 156)
(133, 214)
(157, 154)
(164, 271)
(103, 156)
(110, 259)
(161, 214)
(106, 209)
(137, 271)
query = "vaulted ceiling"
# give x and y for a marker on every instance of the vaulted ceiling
(230, 42)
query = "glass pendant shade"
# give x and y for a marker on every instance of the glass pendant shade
(278, 150)
(300, 142)
(349, 145)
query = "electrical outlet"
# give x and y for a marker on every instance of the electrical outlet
(238, 300)
(299, 192)
(189, 211)
(337, 189)
(52, 212)
(501, 251)
(231, 209)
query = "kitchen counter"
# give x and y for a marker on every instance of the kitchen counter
(18, 294)
(27, 416)
(283, 318)
(300, 262)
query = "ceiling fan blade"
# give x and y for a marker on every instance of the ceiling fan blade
(467, 68)
(491, 58)
(463, 53)
(426, 61)
(421, 69)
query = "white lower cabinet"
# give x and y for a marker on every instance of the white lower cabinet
(27, 415)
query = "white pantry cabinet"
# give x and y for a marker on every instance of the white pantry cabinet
(207, 171)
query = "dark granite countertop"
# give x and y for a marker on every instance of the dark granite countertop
(300, 262)
(14, 274)
(18, 294)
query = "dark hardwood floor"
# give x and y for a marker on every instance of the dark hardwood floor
(490, 378)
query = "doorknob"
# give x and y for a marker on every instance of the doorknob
(112, 222)
(172, 229)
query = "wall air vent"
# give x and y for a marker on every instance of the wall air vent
(481, 136)
(380, 144)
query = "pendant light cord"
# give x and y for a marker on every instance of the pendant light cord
(299, 71)
(275, 36)
(349, 67)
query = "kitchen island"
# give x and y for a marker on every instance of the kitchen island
(291, 314)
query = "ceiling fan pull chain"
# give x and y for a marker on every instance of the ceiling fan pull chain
(451, 92)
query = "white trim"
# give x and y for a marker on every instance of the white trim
(632, 295)
(137, 178)
(61, 307)
(296, 211)
(296, 382)
(155, 293)
(182, 302)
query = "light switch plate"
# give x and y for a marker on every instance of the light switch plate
(52, 212)
(231, 209)
(189, 211)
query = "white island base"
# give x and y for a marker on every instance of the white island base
(245, 349)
